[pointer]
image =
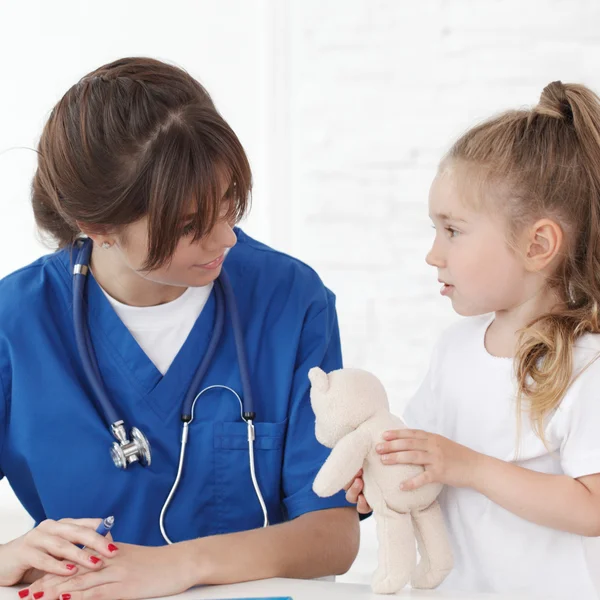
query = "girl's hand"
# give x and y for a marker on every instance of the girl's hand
(133, 572)
(445, 461)
(51, 542)
(354, 494)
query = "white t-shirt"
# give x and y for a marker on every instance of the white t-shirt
(469, 396)
(161, 330)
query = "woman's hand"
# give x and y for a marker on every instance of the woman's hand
(45, 547)
(445, 461)
(133, 572)
(354, 494)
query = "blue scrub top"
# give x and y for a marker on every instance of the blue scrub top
(54, 443)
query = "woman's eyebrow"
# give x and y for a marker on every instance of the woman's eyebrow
(193, 215)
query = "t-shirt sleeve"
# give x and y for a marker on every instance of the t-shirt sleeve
(580, 420)
(304, 455)
(420, 412)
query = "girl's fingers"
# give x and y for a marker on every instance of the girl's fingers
(402, 445)
(410, 457)
(354, 491)
(416, 482)
(354, 495)
(357, 476)
(397, 434)
(362, 506)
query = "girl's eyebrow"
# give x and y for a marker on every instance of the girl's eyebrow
(447, 217)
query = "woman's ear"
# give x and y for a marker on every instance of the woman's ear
(545, 239)
(96, 233)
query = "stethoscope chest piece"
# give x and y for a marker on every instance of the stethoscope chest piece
(126, 452)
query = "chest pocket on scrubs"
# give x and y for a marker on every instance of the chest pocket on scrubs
(238, 507)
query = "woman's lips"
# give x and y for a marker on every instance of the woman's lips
(215, 264)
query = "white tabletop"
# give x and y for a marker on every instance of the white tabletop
(299, 589)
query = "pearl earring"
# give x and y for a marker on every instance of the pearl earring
(105, 245)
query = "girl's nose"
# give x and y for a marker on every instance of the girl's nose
(433, 258)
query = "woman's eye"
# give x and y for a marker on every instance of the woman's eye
(189, 229)
(451, 232)
(226, 205)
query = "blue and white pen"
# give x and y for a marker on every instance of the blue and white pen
(105, 526)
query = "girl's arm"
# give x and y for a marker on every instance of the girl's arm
(556, 501)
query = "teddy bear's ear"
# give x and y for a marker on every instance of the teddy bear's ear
(318, 379)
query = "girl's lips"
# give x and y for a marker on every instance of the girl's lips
(446, 289)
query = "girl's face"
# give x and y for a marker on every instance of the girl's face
(477, 268)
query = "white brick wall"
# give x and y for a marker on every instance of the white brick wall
(345, 107)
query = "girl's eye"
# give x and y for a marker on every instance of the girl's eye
(451, 232)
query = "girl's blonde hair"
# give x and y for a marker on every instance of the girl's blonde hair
(546, 162)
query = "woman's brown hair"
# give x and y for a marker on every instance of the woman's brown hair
(134, 138)
(546, 163)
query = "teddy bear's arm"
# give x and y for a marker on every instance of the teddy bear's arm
(345, 460)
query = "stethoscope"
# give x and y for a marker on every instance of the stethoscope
(136, 448)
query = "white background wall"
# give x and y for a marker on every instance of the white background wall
(344, 106)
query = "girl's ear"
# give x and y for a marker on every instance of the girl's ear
(545, 239)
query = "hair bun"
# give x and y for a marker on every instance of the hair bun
(554, 102)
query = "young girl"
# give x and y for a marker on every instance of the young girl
(508, 416)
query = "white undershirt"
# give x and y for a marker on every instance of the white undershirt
(162, 330)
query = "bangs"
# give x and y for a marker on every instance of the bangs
(197, 173)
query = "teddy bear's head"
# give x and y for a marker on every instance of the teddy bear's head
(343, 400)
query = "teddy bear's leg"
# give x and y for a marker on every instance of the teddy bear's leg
(397, 554)
(434, 547)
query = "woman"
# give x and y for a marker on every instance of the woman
(136, 161)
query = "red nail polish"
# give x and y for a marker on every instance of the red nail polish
(23, 593)
(65, 597)
(70, 567)
(94, 559)
(38, 595)
(112, 548)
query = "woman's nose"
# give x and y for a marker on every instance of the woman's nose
(223, 235)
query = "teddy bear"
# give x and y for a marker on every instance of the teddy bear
(352, 412)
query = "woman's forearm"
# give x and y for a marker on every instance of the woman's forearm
(314, 545)
(556, 501)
